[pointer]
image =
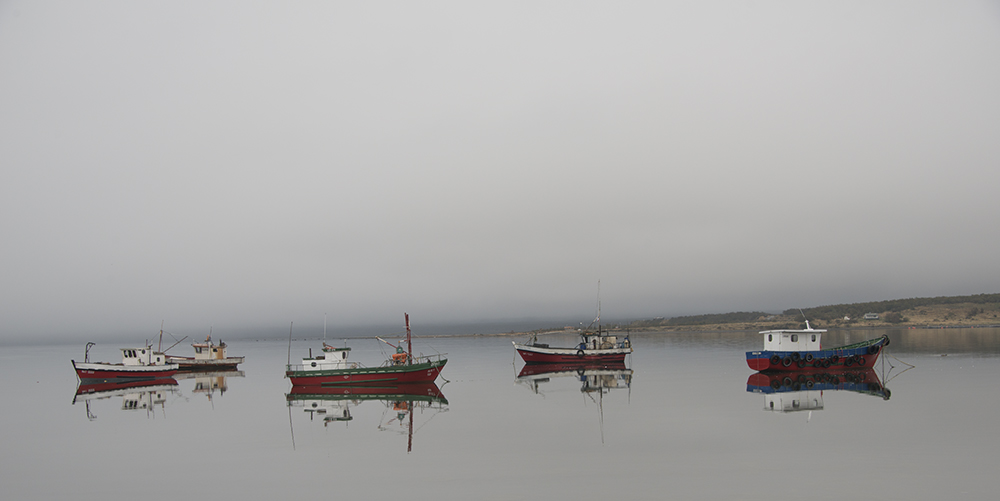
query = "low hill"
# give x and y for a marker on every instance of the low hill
(981, 309)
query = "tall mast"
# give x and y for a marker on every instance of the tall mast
(598, 307)
(409, 345)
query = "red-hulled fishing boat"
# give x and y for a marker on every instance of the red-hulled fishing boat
(594, 347)
(332, 368)
(137, 363)
(800, 350)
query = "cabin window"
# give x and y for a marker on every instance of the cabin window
(770, 337)
(215, 350)
(772, 405)
(343, 355)
(795, 338)
(814, 338)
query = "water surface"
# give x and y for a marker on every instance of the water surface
(683, 426)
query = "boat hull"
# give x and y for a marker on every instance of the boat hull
(105, 372)
(851, 357)
(215, 364)
(394, 374)
(544, 355)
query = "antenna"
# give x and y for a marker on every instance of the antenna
(598, 306)
(290, 342)
(324, 328)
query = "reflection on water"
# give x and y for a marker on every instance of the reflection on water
(599, 378)
(797, 391)
(401, 402)
(207, 383)
(595, 380)
(150, 394)
(686, 422)
(136, 395)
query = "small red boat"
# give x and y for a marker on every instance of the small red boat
(594, 347)
(800, 350)
(332, 368)
(137, 363)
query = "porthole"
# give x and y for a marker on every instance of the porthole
(313, 364)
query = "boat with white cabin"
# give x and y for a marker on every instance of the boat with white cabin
(333, 369)
(801, 350)
(208, 356)
(137, 363)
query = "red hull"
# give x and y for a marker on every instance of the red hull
(87, 371)
(765, 364)
(419, 373)
(531, 357)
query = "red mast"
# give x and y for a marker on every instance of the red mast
(409, 345)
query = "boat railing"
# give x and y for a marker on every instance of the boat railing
(417, 359)
(307, 367)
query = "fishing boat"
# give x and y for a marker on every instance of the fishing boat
(594, 347)
(332, 368)
(208, 356)
(137, 363)
(800, 350)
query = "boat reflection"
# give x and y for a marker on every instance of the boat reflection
(593, 377)
(207, 383)
(136, 395)
(797, 391)
(334, 404)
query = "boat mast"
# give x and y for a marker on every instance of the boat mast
(598, 307)
(409, 344)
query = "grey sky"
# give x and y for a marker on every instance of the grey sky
(245, 165)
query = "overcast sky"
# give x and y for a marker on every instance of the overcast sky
(241, 165)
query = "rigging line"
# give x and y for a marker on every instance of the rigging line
(902, 362)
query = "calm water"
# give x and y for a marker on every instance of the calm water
(686, 427)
